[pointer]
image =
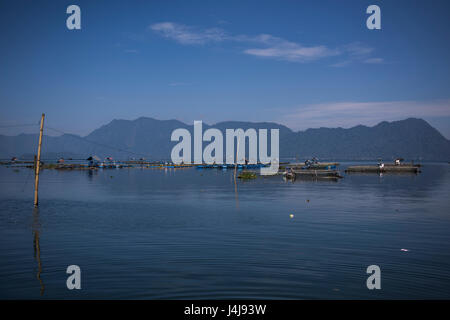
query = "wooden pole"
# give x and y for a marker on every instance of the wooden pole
(38, 163)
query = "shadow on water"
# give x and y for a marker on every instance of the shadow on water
(36, 246)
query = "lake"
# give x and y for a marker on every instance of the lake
(190, 234)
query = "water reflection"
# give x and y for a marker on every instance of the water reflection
(183, 236)
(36, 246)
(310, 180)
(91, 174)
(236, 191)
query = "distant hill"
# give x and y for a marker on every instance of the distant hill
(412, 139)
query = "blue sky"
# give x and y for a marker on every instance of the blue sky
(300, 63)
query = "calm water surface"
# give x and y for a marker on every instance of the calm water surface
(187, 233)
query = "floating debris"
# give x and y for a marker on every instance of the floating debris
(404, 250)
(291, 215)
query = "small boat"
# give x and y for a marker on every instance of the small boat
(321, 166)
(316, 165)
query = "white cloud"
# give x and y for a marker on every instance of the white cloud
(281, 49)
(177, 84)
(349, 114)
(356, 52)
(374, 60)
(268, 46)
(341, 64)
(188, 35)
(357, 49)
(131, 51)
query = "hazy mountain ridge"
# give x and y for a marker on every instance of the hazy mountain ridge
(412, 139)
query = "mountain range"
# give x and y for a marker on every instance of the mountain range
(411, 139)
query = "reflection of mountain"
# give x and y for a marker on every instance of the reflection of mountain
(150, 138)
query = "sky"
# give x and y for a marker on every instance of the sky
(304, 64)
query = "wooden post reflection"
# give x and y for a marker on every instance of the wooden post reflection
(37, 248)
(235, 174)
(236, 193)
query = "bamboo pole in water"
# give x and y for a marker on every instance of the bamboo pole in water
(38, 163)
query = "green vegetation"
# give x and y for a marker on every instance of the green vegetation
(247, 175)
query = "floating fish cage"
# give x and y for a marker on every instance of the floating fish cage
(230, 166)
(384, 169)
